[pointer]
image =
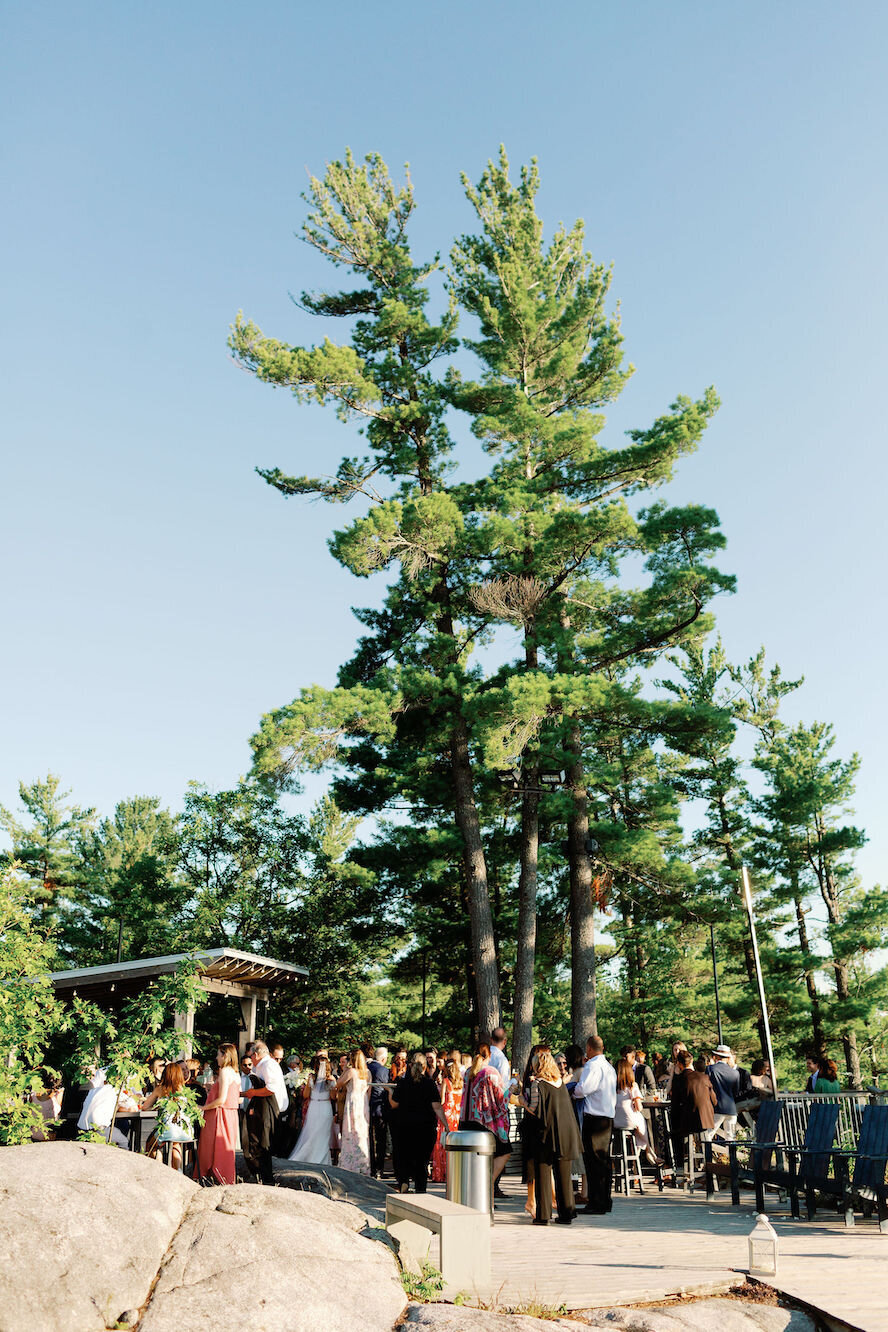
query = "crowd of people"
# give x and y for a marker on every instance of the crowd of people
(369, 1106)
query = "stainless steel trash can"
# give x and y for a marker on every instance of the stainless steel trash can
(470, 1169)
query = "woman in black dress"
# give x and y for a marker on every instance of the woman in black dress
(553, 1139)
(417, 1111)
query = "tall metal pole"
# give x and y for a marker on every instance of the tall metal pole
(423, 999)
(766, 1026)
(718, 1015)
(120, 940)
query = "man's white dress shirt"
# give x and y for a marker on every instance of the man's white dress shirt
(269, 1070)
(500, 1063)
(597, 1087)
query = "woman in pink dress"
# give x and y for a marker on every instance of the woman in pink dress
(218, 1138)
(451, 1097)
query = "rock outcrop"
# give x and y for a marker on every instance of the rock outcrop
(90, 1235)
(703, 1315)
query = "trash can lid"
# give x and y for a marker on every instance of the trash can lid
(470, 1140)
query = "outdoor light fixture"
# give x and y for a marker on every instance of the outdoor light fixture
(514, 779)
(762, 1248)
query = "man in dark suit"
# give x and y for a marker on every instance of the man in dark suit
(377, 1063)
(693, 1105)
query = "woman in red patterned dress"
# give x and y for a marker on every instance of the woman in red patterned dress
(451, 1096)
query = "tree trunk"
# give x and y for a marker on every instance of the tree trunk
(522, 1026)
(522, 1022)
(480, 916)
(583, 1014)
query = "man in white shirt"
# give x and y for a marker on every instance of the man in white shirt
(98, 1109)
(263, 1135)
(503, 1069)
(596, 1088)
(498, 1060)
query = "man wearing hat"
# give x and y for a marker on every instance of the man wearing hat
(726, 1083)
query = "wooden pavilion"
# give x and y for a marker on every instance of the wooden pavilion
(226, 971)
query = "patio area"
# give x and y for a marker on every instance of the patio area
(661, 1245)
(670, 1243)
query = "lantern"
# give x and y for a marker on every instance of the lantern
(762, 1248)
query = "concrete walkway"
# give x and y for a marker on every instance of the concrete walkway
(666, 1244)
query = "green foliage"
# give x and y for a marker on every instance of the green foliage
(129, 890)
(46, 847)
(29, 1012)
(143, 1029)
(424, 1287)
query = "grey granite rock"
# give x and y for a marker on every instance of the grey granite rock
(714, 1315)
(460, 1318)
(83, 1229)
(704, 1316)
(274, 1260)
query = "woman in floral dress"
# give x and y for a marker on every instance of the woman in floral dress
(451, 1096)
(355, 1081)
(483, 1107)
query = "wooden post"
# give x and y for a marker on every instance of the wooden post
(184, 1022)
(248, 1009)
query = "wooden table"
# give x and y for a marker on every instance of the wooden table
(661, 1128)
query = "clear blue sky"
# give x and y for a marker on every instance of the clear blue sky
(729, 160)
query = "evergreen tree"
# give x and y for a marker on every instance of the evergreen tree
(555, 522)
(46, 845)
(386, 376)
(806, 805)
(130, 899)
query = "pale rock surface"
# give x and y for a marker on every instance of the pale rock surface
(86, 1230)
(274, 1260)
(83, 1229)
(460, 1318)
(703, 1315)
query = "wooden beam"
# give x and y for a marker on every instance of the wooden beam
(213, 985)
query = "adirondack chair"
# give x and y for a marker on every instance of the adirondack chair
(767, 1127)
(810, 1161)
(867, 1188)
(866, 1165)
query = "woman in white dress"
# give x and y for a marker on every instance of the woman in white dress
(313, 1143)
(628, 1113)
(355, 1082)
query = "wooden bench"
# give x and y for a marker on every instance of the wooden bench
(412, 1219)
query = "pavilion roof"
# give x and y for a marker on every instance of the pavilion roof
(219, 966)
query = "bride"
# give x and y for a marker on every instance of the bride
(313, 1143)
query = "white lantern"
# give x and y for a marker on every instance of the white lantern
(762, 1248)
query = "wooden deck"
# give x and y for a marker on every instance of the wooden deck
(659, 1245)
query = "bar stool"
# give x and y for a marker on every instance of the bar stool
(188, 1152)
(627, 1160)
(698, 1155)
